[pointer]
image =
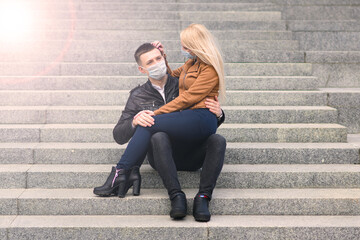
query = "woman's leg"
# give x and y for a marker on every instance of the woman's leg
(188, 125)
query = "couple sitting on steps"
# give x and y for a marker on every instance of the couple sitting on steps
(172, 119)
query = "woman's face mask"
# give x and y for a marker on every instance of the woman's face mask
(157, 71)
(187, 54)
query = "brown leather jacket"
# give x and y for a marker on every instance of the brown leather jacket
(197, 81)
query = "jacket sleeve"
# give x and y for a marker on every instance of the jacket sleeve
(203, 85)
(222, 119)
(124, 130)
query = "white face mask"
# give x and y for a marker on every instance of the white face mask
(157, 71)
(187, 54)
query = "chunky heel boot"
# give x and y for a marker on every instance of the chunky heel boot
(122, 181)
(108, 188)
(135, 180)
(178, 206)
(201, 208)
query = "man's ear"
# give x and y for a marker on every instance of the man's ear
(142, 70)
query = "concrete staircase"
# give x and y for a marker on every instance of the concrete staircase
(291, 169)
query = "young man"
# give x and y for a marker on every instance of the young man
(169, 155)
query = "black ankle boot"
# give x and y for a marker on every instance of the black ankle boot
(135, 180)
(119, 182)
(178, 206)
(201, 208)
(107, 189)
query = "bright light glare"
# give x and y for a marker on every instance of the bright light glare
(15, 19)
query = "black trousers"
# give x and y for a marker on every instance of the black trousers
(167, 157)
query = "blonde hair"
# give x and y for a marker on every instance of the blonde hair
(198, 39)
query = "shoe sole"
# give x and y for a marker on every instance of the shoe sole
(202, 218)
(177, 215)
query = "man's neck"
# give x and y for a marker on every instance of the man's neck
(161, 83)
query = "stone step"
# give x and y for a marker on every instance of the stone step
(173, 34)
(156, 202)
(166, 15)
(232, 132)
(130, 69)
(110, 114)
(313, 12)
(129, 82)
(119, 97)
(252, 55)
(347, 100)
(161, 228)
(148, 6)
(316, 2)
(236, 153)
(232, 176)
(323, 25)
(328, 41)
(82, 46)
(138, 24)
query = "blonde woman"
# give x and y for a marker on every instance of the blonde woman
(185, 118)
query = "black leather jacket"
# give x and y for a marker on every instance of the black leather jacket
(145, 97)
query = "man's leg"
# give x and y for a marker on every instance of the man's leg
(213, 163)
(162, 160)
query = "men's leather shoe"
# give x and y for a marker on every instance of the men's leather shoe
(178, 206)
(201, 208)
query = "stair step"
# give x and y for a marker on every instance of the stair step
(121, 46)
(110, 114)
(119, 97)
(232, 176)
(236, 153)
(323, 25)
(232, 132)
(230, 55)
(160, 227)
(157, 24)
(156, 202)
(130, 69)
(172, 34)
(169, 15)
(146, 6)
(129, 82)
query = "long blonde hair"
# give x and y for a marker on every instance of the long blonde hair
(198, 39)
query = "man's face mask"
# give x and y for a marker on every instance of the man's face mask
(187, 54)
(157, 71)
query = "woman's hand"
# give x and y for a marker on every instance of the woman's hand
(214, 106)
(144, 119)
(159, 46)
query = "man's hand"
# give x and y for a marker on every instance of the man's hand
(144, 119)
(214, 106)
(159, 46)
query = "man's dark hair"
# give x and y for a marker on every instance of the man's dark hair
(146, 47)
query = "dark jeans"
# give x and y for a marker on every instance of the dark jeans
(189, 126)
(168, 156)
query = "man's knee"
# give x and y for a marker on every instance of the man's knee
(216, 141)
(159, 138)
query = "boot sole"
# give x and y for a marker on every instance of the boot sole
(177, 215)
(202, 218)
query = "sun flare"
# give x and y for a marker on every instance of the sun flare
(16, 19)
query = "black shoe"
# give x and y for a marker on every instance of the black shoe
(119, 182)
(201, 208)
(107, 189)
(178, 206)
(135, 180)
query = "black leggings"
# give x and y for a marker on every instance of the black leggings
(168, 157)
